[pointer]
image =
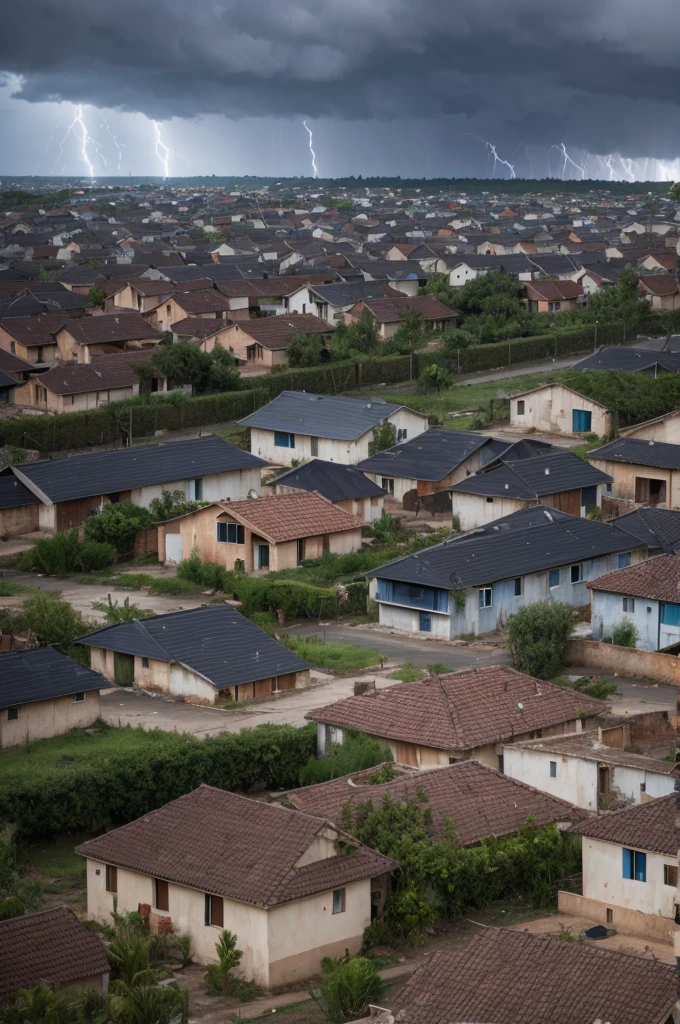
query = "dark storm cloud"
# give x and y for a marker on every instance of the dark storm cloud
(602, 74)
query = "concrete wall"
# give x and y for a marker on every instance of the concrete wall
(216, 487)
(666, 429)
(475, 510)
(625, 661)
(625, 475)
(550, 409)
(44, 718)
(576, 780)
(15, 521)
(629, 922)
(607, 612)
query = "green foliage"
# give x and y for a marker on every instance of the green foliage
(625, 634)
(407, 673)
(356, 753)
(172, 504)
(438, 668)
(357, 339)
(632, 397)
(384, 437)
(434, 378)
(117, 523)
(459, 598)
(219, 978)
(538, 635)
(332, 657)
(183, 363)
(124, 612)
(37, 792)
(16, 895)
(52, 622)
(438, 288)
(385, 773)
(590, 685)
(411, 333)
(209, 575)
(96, 297)
(349, 988)
(64, 553)
(306, 350)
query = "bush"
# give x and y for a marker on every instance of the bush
(64, 554)
(218, 977)
(349, 988)
(538, 635)
(434, 378)
(625, 634)
(16, 895)
(53, 621)
(356, 753)
(208, 575)
(117, 523)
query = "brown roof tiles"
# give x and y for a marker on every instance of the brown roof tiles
(282, 517)
(391, 310)
(553, 290)
(657, 579)
(274, 332)
(103, 373)
(111, 328)
(650, 826)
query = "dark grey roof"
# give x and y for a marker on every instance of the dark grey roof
(656, 527)
(108, 472)
(216, 642)
(534, 477)
(14, 494)
(342, 419)
(8, 382)
(632, 360)
(333, 480)
(42, 673)
(500, 551)
(429, 456)
(346, 294)
(659, 454)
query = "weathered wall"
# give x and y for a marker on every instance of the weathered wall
(626, 921)
(626, 661)
(576, 780)
(550, 409)
(44, 718)
(15, 521)
(603, 880)
(607, 612)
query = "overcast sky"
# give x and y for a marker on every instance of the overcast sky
(387, 86)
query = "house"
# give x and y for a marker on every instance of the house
(296, 425)
(642, 471)
(630, 870)
(480, 800)
(44, 693)
(471, 584)
(8, 386)
(206, 304)
(459, 716)
(558, 479)
(203, 655)
(557, 409)
(646, 594)
(507, 976)
(278, 531)
(82, 340)
(80, 386)
(202, 468)
(269, 296)
(345, 486)
(331, 302)
(50, 947)
(142, 295)
(630, 360)
(658, 528)
(553, 296)
(260, 344)
(660, 428)
(661, 291)
(32, 338)
(587, 772)
(290, 886)
(388, 313)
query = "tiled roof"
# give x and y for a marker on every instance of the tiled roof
(657, 579)
(201, 302)
(198, 327)
(51, 946)
(659, 284)
(639, 452)
(111, 327)
(650, 826)
(506, 977)
(281, 517)
(111, 371)
(631, 360)
(388, 311)
(42, 673)
(35, 330)
(231, 846)
(460, 710)
(274, 332)
(333, 480)
(335, 416)
(553, 290)
(541, 474)
(480, 801)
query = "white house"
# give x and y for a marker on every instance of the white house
(558, 409)
(647, 595)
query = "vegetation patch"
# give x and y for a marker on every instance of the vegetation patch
(333, 657)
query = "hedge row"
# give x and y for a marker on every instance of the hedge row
(297, 600)
(91, 794)
(112, 423)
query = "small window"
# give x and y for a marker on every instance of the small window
(501, 763)
(111, 878)
(519, 586)
(387, 484)
(231, 533)
(282, 439)
(485, 597)
(214, 910)
(610, 915)
(198, 489)
(623, 560)
(576, 572)
(145, 662)
(425, 622)
(161, 896)
(13, 347)
(338, 901)
(670, 875)
(629, 604)
(314, 445)
(301, 546)
(402, 435)
(12, 714)
(553, 769)
(554, 578)
(520, 407)
(635, 865)
(78, 698)
(489, 501)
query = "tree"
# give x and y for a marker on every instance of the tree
(410, 335)
(434, 378)
(384, 437)
(306, 350)
(117, 523)
(53, 621)
(224, 375)
(538, 635)
(16, 895)
(349, 988)
(358, 338)
(674, 192)
(96, 297)
(438, 288)
(183, 363)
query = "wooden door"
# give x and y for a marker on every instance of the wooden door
(123, 669)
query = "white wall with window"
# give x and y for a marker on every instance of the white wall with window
(635, 879)
(657, 622)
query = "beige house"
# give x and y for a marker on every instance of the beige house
(292, 887)
(83, 339)
(144, 296)
(33, 338)
(207, 304)
(260, 344)
(44, 693)
(458, 716)
(265, 534)
(661, 291)
(553, 296)
(388, 313)
(557, 409)
(643, 471)
(664, 428)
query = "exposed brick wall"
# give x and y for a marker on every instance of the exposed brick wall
(612, 508)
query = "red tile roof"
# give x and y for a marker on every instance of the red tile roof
(659, 284)
(387, 311)
(111, 328)
(281, 517)
(274, 332)
(103, 373)
(553, 290)
(193, 303)
(461, 710)
(652, 826)
(246, 850)
(657, 579)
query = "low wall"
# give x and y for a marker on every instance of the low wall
(626, 661)
(628, 922)
(613, 507)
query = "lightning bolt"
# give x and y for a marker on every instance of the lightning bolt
(315, 173)
(162, 151)
(568, 160)
(607, 160)
(78, 126)
(120, 146)
(498, 160)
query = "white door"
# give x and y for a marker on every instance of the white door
(173, 547)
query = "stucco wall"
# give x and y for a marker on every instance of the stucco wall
(607, 612)
(576, 780)
(550, 409)
(603, 880)
(216, 486)
(44, 718)
(24, 519)
(626, 661)
(475, 510)
(666, 430)
(628, 922)
(625, 475)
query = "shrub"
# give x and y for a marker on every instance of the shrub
(407, 673)
(172, 504)
(349, 988)
(117, 523)
(96, 555)
(538, 635)
(434, 378)
(625, 634)
(53, 621)
(16, 895)
(124, 612)
(64, 554)
(209, 575)
(354, 754)
(333, 657)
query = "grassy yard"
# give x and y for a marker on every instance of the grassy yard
(333, 657)
(60, 871)
(10, 589)
(407, 673)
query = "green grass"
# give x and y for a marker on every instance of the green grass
(407, 673)
(9, 589)
(75, 746)
(61, 868)
(333, 657)
(170, 585)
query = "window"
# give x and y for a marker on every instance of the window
(553, 769)
(485, 597)
(519, 586)
(413, 595)
(520, 407)
(198, 488)
(314, 444)
(338, 901)
(501, 763)
(13, 347)
(111, 878)
(610, 915)
(161, 898)
(425, 622)
(231, 533)
(649, 491)
(301, 544)
(670, 614)
(581, 421)
(489, 501)
(387, 484)
(145, 662)
(214, 910)
(402, 434)
(12, 714)
(629, 604)
(670, 875)
(576, 572)
(284, 440)
(78, 698)
(623, 560)
(554, 578)
(554, 307)
(635, 865)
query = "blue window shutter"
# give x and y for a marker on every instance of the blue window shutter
(627, 863)
(641, 867)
